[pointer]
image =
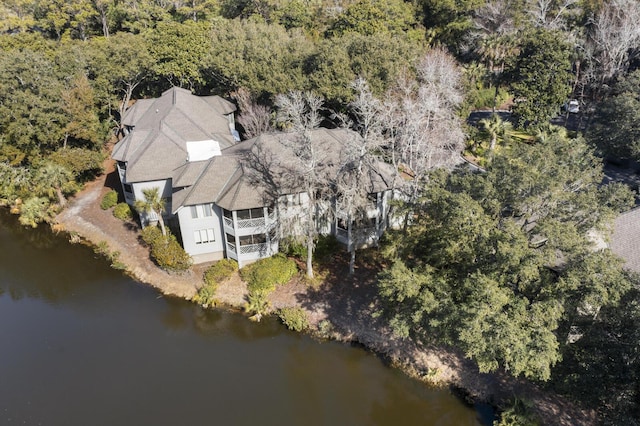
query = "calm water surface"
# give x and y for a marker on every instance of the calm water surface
(80, 344)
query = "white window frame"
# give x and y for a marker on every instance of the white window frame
(204, 236)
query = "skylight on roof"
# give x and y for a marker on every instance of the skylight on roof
(202, 150)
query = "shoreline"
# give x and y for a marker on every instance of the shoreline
(346, 302)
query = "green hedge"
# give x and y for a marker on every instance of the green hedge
(165, 250)
(264, 275)
(109, 200)
(123, 211)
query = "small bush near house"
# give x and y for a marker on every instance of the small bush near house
(150, 234)
(220, 271)
(109, 200)
(206, 295)
(264, 275)
(122, 211)
(215, 274)
(258, 304)
(294, 318)
(169, 254)
(166, 251)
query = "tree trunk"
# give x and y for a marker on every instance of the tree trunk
(309, 257)
(352, 261)
(105, 23)
(162, 227)
(61, 200)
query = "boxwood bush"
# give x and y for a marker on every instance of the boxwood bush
(109, 200)
(123, 211)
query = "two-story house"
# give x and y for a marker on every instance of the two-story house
(187, 147)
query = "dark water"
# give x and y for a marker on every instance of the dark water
(80, 344)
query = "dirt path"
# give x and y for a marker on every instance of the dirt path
(84, 218)
(346, 302)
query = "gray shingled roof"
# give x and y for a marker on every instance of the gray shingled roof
(231, 183)
(625, 241)
(156, 147)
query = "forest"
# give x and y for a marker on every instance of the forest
(497, 263)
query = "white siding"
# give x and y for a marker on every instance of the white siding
(164, 187)
(203, 228)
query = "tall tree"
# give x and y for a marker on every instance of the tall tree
(359, 161)
(613, 41)
(179, 51)
(118, 66)
(300, 113)
(541, 77)
(425, 128)
(496, 262)
(616, 125)
(254, 118)
(83, 124)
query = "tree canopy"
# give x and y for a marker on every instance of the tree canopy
(494, 262)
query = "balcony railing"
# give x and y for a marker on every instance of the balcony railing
(254, 248)
(231, 248)
(228, 221)
(256, 222)
(251, 223)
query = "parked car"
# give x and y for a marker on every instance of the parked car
(572, 106)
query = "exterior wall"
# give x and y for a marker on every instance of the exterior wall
(189, 226)
(165, 192)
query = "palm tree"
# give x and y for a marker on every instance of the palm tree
(51, 179)
(153, 204)
(496, 127)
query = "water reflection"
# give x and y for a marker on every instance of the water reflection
(83, 344)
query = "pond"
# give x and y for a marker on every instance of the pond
(82, 344)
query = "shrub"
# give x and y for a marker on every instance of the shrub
(483, 98)
(206, 295)
(166, 251)
(293, 248)
(258, 303)
(264, 275)
(325, 329)
(220, 271)
(122, 211)
(294, 318)
(150, 234)
(169, 254)
(214, 275)
(109, 200)
(518, 414)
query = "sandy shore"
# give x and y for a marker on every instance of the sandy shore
(347, 303)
